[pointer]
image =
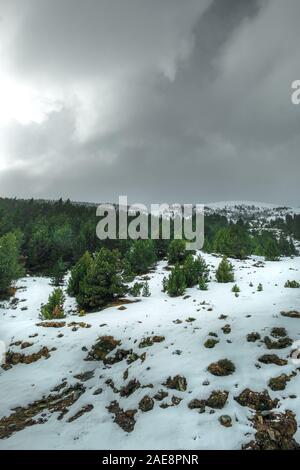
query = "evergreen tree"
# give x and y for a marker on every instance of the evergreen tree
(78, 274)
(260, 287)
(271, 250)
(58, 273)
(193, 269)
(141, 256)
(146, 291)
(202, 283)
(176, 282)
(136, 289)
(233, 241)
(224, 272)
(10, 266)
(54, 308)
(177, 251)
(103, 281)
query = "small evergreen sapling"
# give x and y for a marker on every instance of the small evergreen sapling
(176, 282)
(146, 291)
(292, 284)
(54, 308)
(260, 287)
(224, 272)
(202, 283)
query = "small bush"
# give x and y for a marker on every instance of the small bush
(292, 284)
(136, 289)
(225, 271)
(176, 283)
(202, 283)
(54, 308)
(146, 291)
(260, 287)
(235, 289)
(177, 252)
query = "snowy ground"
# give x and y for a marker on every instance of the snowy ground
(175, 427)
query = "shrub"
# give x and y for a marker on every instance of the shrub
(10, 266)
(224, 272)
(260, 287)
(146, 291)
(176, 283)
(194, 268)
(58, 273)
(136, 289)
(54, 308)
(102, 282)
(292, 284)
(78, 274)
(177, 252)
(140, 257)
(235, 289)
(202, 283)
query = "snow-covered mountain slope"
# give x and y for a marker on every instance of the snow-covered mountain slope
(185, 323)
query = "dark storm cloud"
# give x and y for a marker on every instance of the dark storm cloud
(162, 100)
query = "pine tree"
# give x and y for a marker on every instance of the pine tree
(103, 281)
(224, 272)
(140, 257)
(194, 269)
(177, 251)
(10, 266)
(260, 287)
(202, 283)
(78, 273)
(58, 273)
(235, 289)
(55, 306)
(146, 291)
(176, 281)
(271, 250)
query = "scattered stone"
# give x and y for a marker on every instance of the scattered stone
(190, 319)
(85, 376)
(103, 346)
(291, 314)
(278, 332)
(82, 411)
(13, 358)
(98, 391)
(223, 317)
(160, 395)
(226, 329)
(279, 383)
(217, 399)
(259, 401)
(253, 337)
(226, 421)
(125, 419)
(146, 403)
(130, 388)
(52, 324)
(176, 383)
(211, 333)
(210, 343)
(118, 356)
(274, 432)
(197, 405)
(150, 340)
(221, 368)
(272, 359)
(281, 343)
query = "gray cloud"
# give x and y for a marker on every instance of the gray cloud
(163, 100)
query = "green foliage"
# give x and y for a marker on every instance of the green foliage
(177, 251)
(271, 250)
(224, 272)
(194, 268)
(102, 282)
(165, 284)
(78, 274)
(10, 266)
(176, 283)
(260, 287)
(146, 291)
(202, 283)
(54, 308)
(292, 284)
(235, 289)
(233, 241)
(140, 257)
(136, 289)
(58, 273)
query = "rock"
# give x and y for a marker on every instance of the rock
(125, 419)
(160, 395)
(226, 329)
(85, 376)
(278, 332)
(82, 411)
(210, 343)
(26, 344)
(217, 399)
(197, 405)
(146, 403)
(122, 307)
(226, 421)
(259, 401)
(12, 358)
(282, 343)
(252, 337)
(98, 391)
(130, 388)
(118, 356)
(291, 314)
(103, 346)
(150, 340)
(177, 383)
(221, 368)
(52, 324)
(272, 359)
(279, 383)
(274, 432)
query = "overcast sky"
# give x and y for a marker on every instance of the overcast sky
(160, 100)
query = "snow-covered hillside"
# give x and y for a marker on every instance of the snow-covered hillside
(76, 415)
